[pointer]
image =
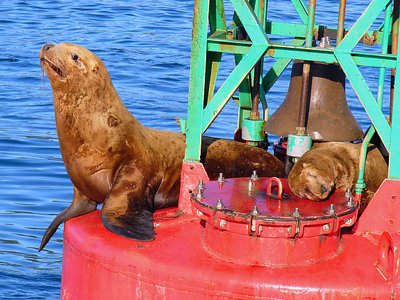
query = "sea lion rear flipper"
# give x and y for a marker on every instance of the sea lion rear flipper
(127, 210)
(80, 205)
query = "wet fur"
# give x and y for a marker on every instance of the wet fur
(332, 165)
(112, 159)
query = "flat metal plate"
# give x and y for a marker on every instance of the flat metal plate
(238, 195)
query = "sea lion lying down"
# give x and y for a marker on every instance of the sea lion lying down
(333, 165)
(112, 159)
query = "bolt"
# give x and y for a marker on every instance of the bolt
(199, 213)
(254, 176)
(348, 221)
(325, 42)
(200, 186)
(326, 227)
(350, 203)
(331, 210)
(220, 204)
(255, 211)
(199, 195)
(251, 184)
(221, 178)
(348, 194)
(222, 223)
(296, 213)
(349, 198)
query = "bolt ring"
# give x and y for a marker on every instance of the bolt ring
(278, 183)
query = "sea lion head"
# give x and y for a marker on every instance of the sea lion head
(312, 180)
(72, 67)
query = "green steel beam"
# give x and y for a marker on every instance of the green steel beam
(301, 10)
(367, 99)
(217, 16)
(213, 61)
(290, 30)
(225, 92)
(394, 150)
(197, 81)
(212, 68)
(362, 25)
(295, 52)
(250, 22)
(394, 157)
(354, 75)
(207, 49)
(278, 67)
(385, 47)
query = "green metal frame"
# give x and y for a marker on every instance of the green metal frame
(212, 38)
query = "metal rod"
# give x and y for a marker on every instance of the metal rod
(360, 185)
(305, 91)
(254, 114)
(341, 18)
(305, 85)
(310, 23)
(395, 38)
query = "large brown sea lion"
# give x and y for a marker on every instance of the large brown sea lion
(335, 165)
(112, 159)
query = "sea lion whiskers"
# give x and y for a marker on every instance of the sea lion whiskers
(55, 65)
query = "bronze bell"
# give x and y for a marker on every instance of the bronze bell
(329, 117)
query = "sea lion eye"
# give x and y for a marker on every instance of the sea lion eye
(74, 56)
(311, 175)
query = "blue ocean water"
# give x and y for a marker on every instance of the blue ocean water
(146, 47)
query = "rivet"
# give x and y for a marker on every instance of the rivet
(348, 221)
(200, 186)
(296, 213)
(199, 195)
(254, 176)
(220, 204)
(199, 213)
(350, 203)
(222, 223)
(255, 211)
(326, 227)
(349, 198)
(331, 210)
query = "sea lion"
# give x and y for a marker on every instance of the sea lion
(333, 165)
(235, 159)
(110, 157)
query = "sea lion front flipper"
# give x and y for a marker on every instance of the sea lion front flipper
(80, 205)
(128, 209)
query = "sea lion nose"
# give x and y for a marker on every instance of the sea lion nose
(47, 47)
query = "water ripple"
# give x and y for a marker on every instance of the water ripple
(146, 47)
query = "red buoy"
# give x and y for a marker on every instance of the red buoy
(229, 250)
